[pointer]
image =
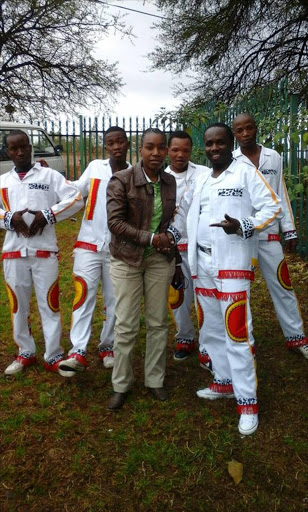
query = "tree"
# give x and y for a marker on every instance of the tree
(47, 62)
(233, 47)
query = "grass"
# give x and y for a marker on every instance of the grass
(62, 450)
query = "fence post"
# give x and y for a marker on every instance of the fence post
(81, 144)
(294, 102)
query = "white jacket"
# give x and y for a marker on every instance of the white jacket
(184, 185)
(94, 233)
(242, 194)
(270, 166)
(41, 189)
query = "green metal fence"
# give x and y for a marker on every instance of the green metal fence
(282, 120)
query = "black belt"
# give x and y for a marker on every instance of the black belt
(207, 250)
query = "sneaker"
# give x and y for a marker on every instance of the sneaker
(181, 355)
(19, 364)
(207, 366)
(209, 394)
(108, 361)
(52, 367)
(107, 357)
(302, 350)
(248, 424)
(73, 364)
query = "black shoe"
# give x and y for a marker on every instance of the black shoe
(159, 393)
(181, 355)
(116, 401)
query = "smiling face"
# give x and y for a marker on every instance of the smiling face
(245, 130)
(153, 151)
(19, 150)
(116, 145)
(179, 153)
(218, 147)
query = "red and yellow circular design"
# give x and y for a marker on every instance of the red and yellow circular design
(53, 297)
(283, 275)
(81, 291)
(200, 315)
(175, 297)
(12, 299)
(235, 320)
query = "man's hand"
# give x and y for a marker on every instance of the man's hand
(38, 223)
(19, 224)
(290, 245)
(178, 278)
(229, 225)
(163, 242)
(43, 162)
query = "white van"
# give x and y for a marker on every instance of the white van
(42, 146)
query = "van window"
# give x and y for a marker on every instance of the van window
(42, 146)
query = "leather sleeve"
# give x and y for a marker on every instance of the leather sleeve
(117, 213)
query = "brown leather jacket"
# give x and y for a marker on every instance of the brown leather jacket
(130, 201)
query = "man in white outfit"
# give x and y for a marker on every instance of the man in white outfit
(185, 174)
(32, 199)
(220, 256)
(270, 253)
(92, 257)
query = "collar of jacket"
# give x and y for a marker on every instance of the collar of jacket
(140, 178)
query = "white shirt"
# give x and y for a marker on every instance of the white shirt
(42, 189)
(93, 183)
(270, 166)
(184, 182)
(241, 193)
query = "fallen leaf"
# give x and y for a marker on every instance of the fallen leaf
(235, 469)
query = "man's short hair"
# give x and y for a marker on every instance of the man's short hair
(13, 133)
(116, 129)
(179, 134)
(227, 128)
(152, 130)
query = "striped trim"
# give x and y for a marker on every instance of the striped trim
(85, 245)
(5, 198)
(236, 274)
(91, 203)
(273, 238)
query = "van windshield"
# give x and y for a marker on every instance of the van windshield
(41, 144)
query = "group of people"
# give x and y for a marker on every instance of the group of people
(182, 234)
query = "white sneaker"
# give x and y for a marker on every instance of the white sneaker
(19, 364)
(209, 394)
(248, 424)
(108, 361)
(69, 367)
(302, 350)
(15, 367)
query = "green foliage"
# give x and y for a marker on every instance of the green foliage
(233, 47)
(47, 62)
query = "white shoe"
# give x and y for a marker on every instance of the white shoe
(15, 367)
(248, 424)
(209, 394)
(207, 366)
(19, 364)
(108, 361)
(302, 350)
(69, 367)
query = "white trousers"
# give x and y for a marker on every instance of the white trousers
(151, 280)
(91, 268)
(20, 275)
(276, 274)
(225, 325)
(182, 310)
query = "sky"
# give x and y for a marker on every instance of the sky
(144, 92)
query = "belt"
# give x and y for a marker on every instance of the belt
(207, 250)
(86, 245)
(182, 247)
(12, 255)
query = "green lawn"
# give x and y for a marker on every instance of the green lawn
(62, 450)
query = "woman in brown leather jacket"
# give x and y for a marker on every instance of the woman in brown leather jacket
(140, 207)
